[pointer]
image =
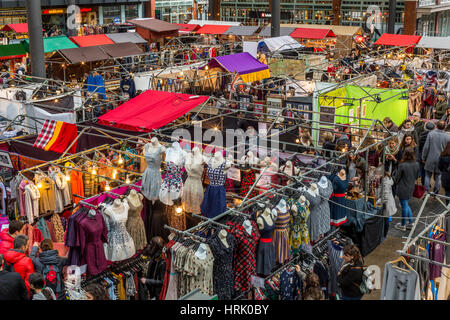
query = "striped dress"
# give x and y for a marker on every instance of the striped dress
(281, 236)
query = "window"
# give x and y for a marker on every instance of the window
(109, 13)
(132, 11)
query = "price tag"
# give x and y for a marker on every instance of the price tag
(234, 174)
(257, 282)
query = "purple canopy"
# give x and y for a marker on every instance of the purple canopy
(242, 63)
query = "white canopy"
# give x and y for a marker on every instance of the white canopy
(281, 43)
(434, 42)
(215, 22)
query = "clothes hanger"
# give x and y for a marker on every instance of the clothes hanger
(403, 260)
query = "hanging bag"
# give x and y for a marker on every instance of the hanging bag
(419, 191)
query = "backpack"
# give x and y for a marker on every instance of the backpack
(52, 277)
(367, 282)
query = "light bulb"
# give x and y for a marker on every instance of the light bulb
(67, 178)
(297, 140)
(39, 185)
(94, 171)
(120, 160)
(107, 187)
(178, 210)
(127, 181)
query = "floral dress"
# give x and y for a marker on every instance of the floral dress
(298, 228)
(171, 185)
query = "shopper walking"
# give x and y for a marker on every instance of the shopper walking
(12, 286)
(7, 235)
(350, 276)
(444, 164)
(407, 174)
(408, 141)
(50, 265)
(434, 145)
(422, 139)
(17, 261)
(156, 269)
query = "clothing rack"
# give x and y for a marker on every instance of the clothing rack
(186, 234)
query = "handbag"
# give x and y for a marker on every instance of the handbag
(419, 191)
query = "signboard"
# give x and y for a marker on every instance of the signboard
(117, 20)
(327, 114)
(298, 107)
(245, 100)
(5, 160)
(258, 108)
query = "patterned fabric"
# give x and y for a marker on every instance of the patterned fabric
(57, 136)
(46, 134)
(244, 258)
(216, 176)
(223, 266)
(281, 236)
(248, 179)
(298, 228)
(290, 285)
(171, 185)
(214, 201)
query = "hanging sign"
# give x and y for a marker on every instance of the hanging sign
(116, 20)
(234, 174)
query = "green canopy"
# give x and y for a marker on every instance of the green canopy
(53, 44)
(11, 51)
(392, 104)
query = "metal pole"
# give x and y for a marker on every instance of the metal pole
(275, 19)
(392, 11)
(34, 18)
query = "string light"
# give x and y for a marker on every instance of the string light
(94, 171)
(107, 187)
(178, 210)
(67, 178)
(127, 180)
(120, 160)
(39, 185)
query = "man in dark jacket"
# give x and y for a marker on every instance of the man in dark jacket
(419, 125)
(436, 142)
(18, 261)
(12, 286)
(422, 139)
(7, 236)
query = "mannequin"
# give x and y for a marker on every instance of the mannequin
(117, 204)
(281, 232)
(247, 226)
(290, 170)
(192, 194)
(323, 183)
(151, 179)
(201, 251)
(249, 176)
(298, 227)
(172, 183)
(223, 237)
(91, 213)
(135, 225)
(266, 251)
(217, 160)
(313, 190)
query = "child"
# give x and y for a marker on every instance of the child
(36, 281)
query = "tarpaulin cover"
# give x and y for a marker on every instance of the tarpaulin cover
(212, 29)
(308, 33)
(91, 40)
(242, 30)
(241, 63)
(154, 25)
(122, 37)
(187, 27)
(16, 27)
(280, 44)
(435, 42)
(391, 106)
(150, 110)
(11, 51)
(284, 31)
(397, 40)
(53, 43)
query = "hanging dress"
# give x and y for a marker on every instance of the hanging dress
(135, 225)
(248, 179)
(214, 201)
(281, 236)
(171, 185)
(298, 228)
(192, 195)
(265, 257)
(120, 244)
(338, 212)
(223, 266)
(151, 179)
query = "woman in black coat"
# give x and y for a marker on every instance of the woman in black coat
(407, 173)
(156, 270)
(350, 276)
(444, 163)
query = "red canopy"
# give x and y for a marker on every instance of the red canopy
(309, 33)
(92, 40)
(397, 40)
(16, 27)
(151, 110)
(187, 27)
(213, 29)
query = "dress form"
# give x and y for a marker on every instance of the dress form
(247, 226)
(267, 216)
(153, 145)
(223, 237)
(135, 198)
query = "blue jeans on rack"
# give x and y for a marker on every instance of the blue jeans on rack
(406, 212)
